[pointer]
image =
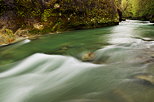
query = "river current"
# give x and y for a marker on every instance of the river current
(110, 64)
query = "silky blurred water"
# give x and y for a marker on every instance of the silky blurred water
(119, 66)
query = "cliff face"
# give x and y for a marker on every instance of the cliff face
(57, 14)
(138, 9)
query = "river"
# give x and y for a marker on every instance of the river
(109, 64)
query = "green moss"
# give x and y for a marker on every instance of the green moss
(44, 31)
(65, 14)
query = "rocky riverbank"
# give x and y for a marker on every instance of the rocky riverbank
(47, 16)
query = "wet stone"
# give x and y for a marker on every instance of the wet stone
(144, 78)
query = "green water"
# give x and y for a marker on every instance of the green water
(68, 43)
(51, 68)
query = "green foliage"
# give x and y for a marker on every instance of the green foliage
(143, 9)
(6, 36)
(3, 7)
(46, 14)
(63, 14)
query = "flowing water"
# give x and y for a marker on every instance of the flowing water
(110, 64)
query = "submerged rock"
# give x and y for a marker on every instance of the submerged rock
(88, 56)
(145, 78)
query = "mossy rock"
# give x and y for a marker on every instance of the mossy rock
(64, 14)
